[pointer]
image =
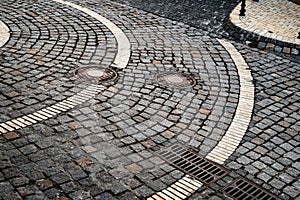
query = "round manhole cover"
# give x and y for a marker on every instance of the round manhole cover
(175, 80)
(96, 74)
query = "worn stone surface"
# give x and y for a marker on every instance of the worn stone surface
(105, 148)
(213, 17)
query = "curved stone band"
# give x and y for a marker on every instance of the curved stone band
(123, 54)
(231, 140)
(120, 61)
(4, 34)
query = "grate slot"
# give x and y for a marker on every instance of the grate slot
(204, 164)
(253, 190)
(243, 196)
(199, 170)
(191, 168)
(168, 155)
(215, 171)
(192, 163)
(187, 155)
(242, 189)
(179, 162)
(194, 159)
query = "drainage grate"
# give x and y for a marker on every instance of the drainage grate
(175, 80)
(241, 189)
(96, 74)
(193, 164)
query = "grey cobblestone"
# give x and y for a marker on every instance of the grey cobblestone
(274, 146)
(106, 147)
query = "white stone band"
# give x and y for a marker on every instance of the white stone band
(4, 34)
(123, 54)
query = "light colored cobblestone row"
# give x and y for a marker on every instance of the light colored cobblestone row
(276, 19)
(64, 139)
(4, 33)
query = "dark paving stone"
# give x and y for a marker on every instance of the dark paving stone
(110, 153)
(274, 153)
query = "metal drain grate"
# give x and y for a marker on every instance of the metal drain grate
(241, 189)
(193, 164)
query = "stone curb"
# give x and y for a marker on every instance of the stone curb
(259, 38)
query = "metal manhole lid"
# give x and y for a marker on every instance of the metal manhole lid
(241, 189)
(175, 80)
(95, 74)
(193, 164)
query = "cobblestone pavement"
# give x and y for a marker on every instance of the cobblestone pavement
(278, 20)
(215, 19)
(106, 147)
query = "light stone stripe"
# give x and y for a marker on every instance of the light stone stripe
(84, 94)
(76, 100)
(179, 189)
(44, 113)
(18, 123)
(64, 105)
(5, 126)
(164, 196)
(29, 119)
(39, 115)
(173, 196)
(48, 112)
(120, 61)
(33, 116)
(89, 91)
(122, 57)
(187, 183)
(173, 191)
(2, 130)
(70, 102)
(4, 34)
(59, 107)
(242, 118)
(156, 197)
(237, 129)
(54, 110)
(188, 189)
(27, 123)
(13, 125)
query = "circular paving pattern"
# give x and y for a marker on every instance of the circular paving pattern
(102, 142)
(118, 133)
(46, 45)
(265, 19)
(175, 79)
(96, 74)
